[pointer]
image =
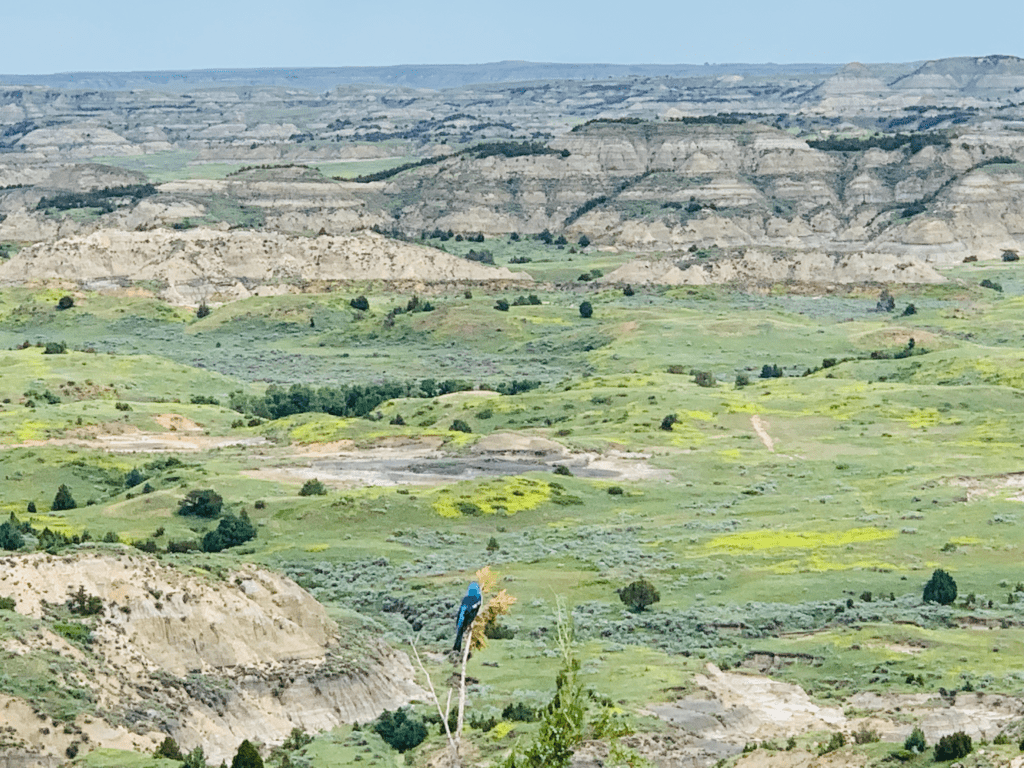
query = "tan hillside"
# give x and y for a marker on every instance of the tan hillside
(225, 258)
(208, 658)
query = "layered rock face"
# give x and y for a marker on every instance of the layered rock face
(231, 261)
(208, 660)
(663, 187)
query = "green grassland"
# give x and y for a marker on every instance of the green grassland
(880, 470)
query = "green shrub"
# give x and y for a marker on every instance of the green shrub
(563, 470)
(615, 490)
(837, 741)
(941, 588)
(134, 477)
(201, 503)
(7, 603)
(230, 532)
(400, 729)
(360, 302)
(82, 603)
(313, 488)
(501, 305)
(63, 500)
(169, 748)
(703, 378)
(10, 536)
(74, 631)
(668, 422)
(519, 713)
(742, 380)
(638, 595)
(495, 631)
(460, 426)
(953, 746)
(247, 757)
(586, 309)
(202, 310)
(65, 302)
(986, 283)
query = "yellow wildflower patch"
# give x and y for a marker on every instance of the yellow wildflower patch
(320, 429)
(508, 495)
(762, 541)
(817, 563)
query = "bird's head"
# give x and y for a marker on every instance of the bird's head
(474, 589)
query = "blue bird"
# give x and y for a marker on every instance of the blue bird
(467, 612)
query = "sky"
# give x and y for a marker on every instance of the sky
(72, 36)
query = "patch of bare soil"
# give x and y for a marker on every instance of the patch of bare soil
(208, 660)
(421, 462)
(732, 709)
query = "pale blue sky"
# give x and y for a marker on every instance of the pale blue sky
(69, 35)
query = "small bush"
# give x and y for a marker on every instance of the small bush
(65, 302)
(1010, 256)
(169, 748)
(953, 746)
(7, 603)
(837, 741)
(501, 305)
(941, 588)
(81, 603)
(400, 729)
(668, 422)
(495, 631)
(986, 283)
(638, 595)
(742, 380)
(915, 741)
(615, 490)
(11, 538)
(313, 488)
(703, 378)
(519, 713)
(866, 736)
(55, 348)
(492, 544)
(63, 500)
(628, 291)
(201, 503)
(586, 309)
(202, 310)
(231, 531)
(563, 470)
(360, 302)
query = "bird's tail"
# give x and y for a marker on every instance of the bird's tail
(458, 642)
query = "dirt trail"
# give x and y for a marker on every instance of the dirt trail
(761, 428)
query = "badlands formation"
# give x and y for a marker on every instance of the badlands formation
(710, 162)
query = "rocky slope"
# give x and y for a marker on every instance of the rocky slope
(208, 658)
(200, 261)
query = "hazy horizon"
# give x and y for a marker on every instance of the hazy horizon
(195, 36)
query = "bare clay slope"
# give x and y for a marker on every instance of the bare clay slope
(209, 660)
(669, 186)
(226, 258)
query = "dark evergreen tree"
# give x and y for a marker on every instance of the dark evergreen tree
(231, 531)
(63, 499)
(10, 536)
(586, 309)
(247, 757)
(205, 503)
(941, 588)
(638, 595)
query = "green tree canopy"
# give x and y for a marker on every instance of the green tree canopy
(201, 503)
(63, 499)
(246, 757)
(941, 588)
(639, 594)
